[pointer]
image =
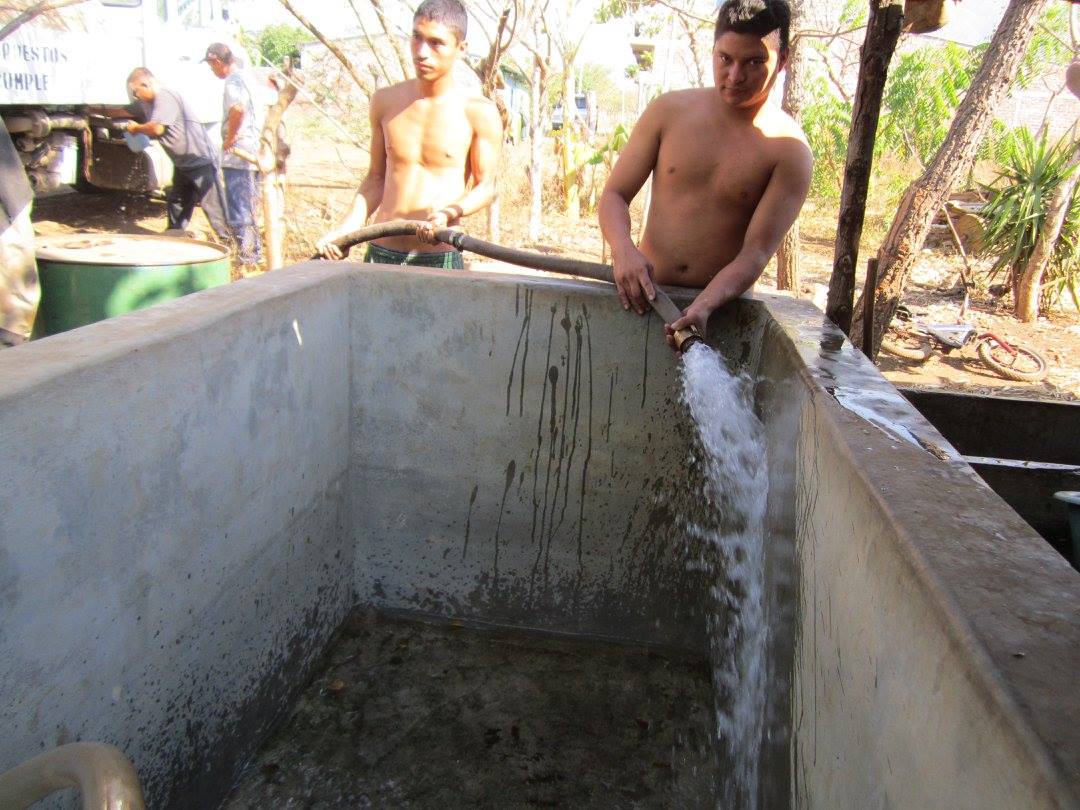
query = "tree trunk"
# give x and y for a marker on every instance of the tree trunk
(271, 162)
(571, 204)
(1030, 282)
(490, 78)
(882, 33)
(954, 160)
(536, 145)
(787, 257)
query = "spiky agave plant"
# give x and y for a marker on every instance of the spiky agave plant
(1033, 169)
(1063, 273)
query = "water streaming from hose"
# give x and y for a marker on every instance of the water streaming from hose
(735, 487)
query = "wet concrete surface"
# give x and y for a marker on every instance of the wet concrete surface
(411, 714)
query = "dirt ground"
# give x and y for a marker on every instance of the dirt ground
(324, 172)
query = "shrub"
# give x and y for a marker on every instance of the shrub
(1033, 170)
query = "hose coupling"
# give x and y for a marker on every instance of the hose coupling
(685, 338)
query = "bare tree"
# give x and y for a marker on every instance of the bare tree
(271, 162)
(330, 46)
(506, 17)
(386, 73)
(539, 48)
(536, 145)
(953, 161)
(395, 42)
(32, 11)
(567, 39)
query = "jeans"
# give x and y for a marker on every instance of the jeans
(197, 185)
(242, 198)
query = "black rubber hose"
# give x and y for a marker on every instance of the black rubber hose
(662, 304)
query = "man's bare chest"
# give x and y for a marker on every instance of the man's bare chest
(731, 171)
(432, 140)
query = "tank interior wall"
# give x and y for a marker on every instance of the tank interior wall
(173, 529)
(523, 462)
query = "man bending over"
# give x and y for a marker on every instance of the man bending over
(434, 149)
(167, 119)
(730, 173)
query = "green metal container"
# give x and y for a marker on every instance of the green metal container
(92, 276)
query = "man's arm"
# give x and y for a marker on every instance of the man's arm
(233, 120)
(163, 113)
(370, 193)
(237, 98)
(633, 272)
(483, 167)
(778, 209)
(151, 128)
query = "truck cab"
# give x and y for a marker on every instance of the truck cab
(59, 72)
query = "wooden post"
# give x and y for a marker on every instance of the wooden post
(882, 33)
(868, 307)
(965, 277)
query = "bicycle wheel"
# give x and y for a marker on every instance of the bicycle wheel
(1022, 365)
(908, 345)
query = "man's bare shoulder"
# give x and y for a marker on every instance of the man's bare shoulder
(775, 123)
(481, 110)
(668, 108)
(682, 100)
(394, 96)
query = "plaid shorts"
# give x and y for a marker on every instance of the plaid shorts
(447, 260)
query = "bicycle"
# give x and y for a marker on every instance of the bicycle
(918, 340)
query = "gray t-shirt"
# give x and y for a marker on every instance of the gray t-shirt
(185, 139)
(238, 92)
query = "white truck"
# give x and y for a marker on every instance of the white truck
(62, 68)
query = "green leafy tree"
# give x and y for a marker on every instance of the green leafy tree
(926, 86)
(924, 89)
(1049, 46)
(275, 42)
(826, 119)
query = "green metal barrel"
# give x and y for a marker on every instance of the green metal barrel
(89, 277)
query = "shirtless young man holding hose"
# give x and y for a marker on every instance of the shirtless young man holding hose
(730, 173)
(434, 149)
